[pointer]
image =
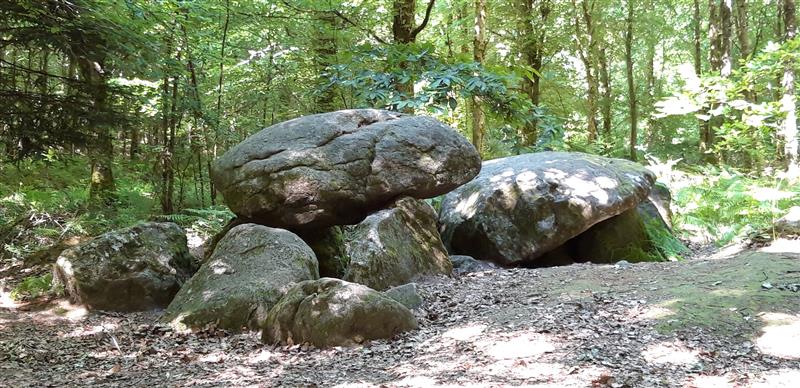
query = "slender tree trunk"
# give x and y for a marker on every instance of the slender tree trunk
(532, 36)
(631, 82)
(478, 54)
(402, 31)
(605, 86)
(726, 25)
(715, 63)
(697, 53)
(217, 127)
(586, 52)
(101, 149)
(788, 105)
(742, 33)
(325, 47)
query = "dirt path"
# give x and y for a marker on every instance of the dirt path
(704, 323)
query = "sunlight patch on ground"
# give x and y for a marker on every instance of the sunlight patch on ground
(782, 245)
(709, 382)
(92, 330)
(639, 313)
(464, 333)
(260, 357)
(6, 301)
(670, 353)
(781, 336)
(782, 378)
(520, 346)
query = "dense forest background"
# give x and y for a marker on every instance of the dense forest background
(113, 110)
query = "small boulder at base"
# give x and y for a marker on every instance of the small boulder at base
(466, 264)
(789, 224)
(396, 246)
(332, 312)
(250, 270)
(521, 207)
(135, 269)
(407, 294)
(336, 168)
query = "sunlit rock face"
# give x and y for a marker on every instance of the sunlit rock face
(250, 270)
(134, 269)
(336, 168)
(332, 312)
(396, 245)
(521, 207)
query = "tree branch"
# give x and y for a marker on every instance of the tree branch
(424, 21)
(352, 23)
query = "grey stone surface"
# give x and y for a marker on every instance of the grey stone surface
(134, 269)
(332, 312)
(336, 168)
(396, 245)
(251, 268)
(521, 207)
(407, 295)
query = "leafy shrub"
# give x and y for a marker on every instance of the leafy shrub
(33, 286)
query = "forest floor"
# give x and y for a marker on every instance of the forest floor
(728, 319)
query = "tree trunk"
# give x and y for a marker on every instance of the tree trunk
(631, 84)
(478, 54)
(402, 29)
(531, 44)
(217, 129)
(405, 31)
(325, 47)
(586, 52)
(101, 148)
(715, 64)
(605, 85)
(697, 53)
(725, 13)
(788, 99)
(742, 30)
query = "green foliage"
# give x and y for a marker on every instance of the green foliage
(33, 286)
(726, 205)
(667, 245)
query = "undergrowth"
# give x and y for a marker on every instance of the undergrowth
(724, 205)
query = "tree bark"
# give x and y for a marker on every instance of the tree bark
(605, 92)
(725, 14)
(531, 42)
(405, 31)
(742, 33)
(478, 55)
(631, 83)
(325, 47)
(586, 52)
(788, 105)
(715, 58)
(101, 149)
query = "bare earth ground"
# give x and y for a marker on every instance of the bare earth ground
(710, 322)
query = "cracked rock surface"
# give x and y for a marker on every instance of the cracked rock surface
(336, 168)
(249, 271)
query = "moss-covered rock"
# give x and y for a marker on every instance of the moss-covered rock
(332, 312)
(249, 271)
(133, 269)
(619, 238)
(329, 247)
(396, 245)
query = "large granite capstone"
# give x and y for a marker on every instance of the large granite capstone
(336, 168)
